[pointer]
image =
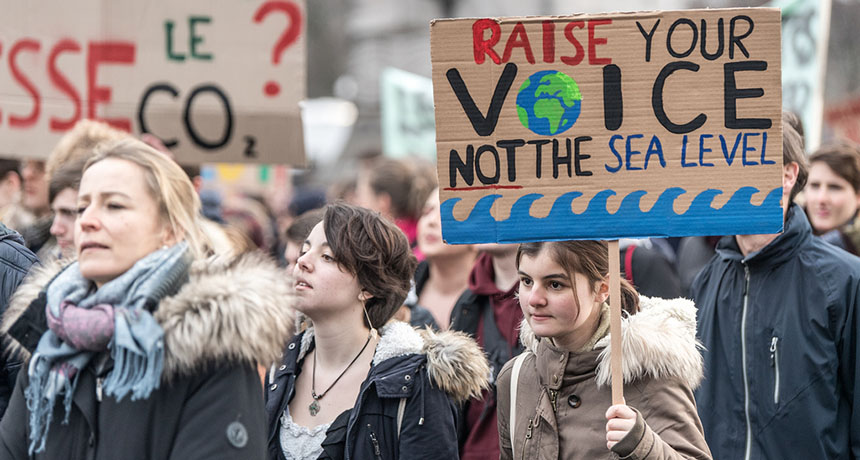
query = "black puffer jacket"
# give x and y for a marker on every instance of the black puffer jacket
(15, 262)
(430, 372)
(228, 316)
(780, 330)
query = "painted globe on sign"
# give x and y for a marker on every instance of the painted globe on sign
(548, 102)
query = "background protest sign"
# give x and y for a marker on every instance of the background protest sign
(805, 32)
(408, 127)
(217, 81)
(608, 126)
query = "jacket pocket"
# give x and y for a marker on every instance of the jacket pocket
(774, 363)
(374, 442)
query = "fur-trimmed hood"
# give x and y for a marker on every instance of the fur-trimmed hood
(658, 342)
(235, 310)
(455, 362)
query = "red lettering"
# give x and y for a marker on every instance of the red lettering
(482, 46)
(62, 83)
(518, 39)
(568, 34)
(26, 44)
(99, 53)
(548, 41)
(593, 42)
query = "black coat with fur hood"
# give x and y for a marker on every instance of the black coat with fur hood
(426, 372)
(228, 316)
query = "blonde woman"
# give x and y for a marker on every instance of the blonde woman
(142, 349)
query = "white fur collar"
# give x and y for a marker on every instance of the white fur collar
(659, 341)
(455, 363)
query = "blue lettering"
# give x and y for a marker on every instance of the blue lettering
(763, 145)
(730, 158)
(655, 148)
(748, 149)
(703, 150)
(614, 152)
(684, 163)
(630, 153)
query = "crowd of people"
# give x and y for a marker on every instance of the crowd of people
(145, 316)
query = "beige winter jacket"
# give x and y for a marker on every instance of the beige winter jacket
(562, 397)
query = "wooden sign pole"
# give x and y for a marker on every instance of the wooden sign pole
(615, 323)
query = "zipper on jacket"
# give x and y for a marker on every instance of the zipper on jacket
(99, 383)
(375, 443)
(774, 363)
(553, 397)
(529, 429)
(748, 447)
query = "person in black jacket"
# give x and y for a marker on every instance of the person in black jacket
(143, 348)
(779, 317)
(15, 262)
(346, 390)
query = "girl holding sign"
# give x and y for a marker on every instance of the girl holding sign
(555, 399)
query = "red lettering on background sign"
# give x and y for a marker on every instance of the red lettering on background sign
(101, 53)
(26, 44)
(63, 84)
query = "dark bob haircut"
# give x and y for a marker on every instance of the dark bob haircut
(376, 252)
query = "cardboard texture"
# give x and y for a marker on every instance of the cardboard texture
(217, 81)
(607, 126)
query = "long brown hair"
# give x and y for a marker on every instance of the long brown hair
(588, 258)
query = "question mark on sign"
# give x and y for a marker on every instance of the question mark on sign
(287, 38)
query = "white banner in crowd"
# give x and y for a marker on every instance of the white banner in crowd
(408, 125)
(805, 32)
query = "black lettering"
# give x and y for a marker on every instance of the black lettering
(510, 147)
(578, 157)
(720, 37)
(250, 142)
(487, 180)
(484, 126)
(733, 93)
(465, 168)
(560, 160)
(538, 143)
(154, 88)
(228, 128)
(613, 107)
(657, 99)
(648, 36)
(692, 43)
(736, 39)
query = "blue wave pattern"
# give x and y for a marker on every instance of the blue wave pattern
(737, 217)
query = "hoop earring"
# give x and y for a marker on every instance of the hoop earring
(373, 332)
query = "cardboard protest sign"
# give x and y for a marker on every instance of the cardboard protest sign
(406, 106)
(217, 81)
(608, 126)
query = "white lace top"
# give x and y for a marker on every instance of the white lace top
(299, 442)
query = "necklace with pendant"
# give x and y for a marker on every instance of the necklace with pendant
(314, 407)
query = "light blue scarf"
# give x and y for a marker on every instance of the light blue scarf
(118, 312)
